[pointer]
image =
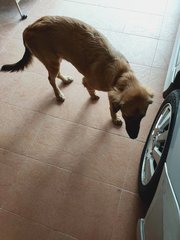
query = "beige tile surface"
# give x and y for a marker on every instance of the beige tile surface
(143, 55)
(126, 224)
(8, 86)
(138, 5)
(143, 24)
(59, 199)
(131, 178)
(169, 28)
(163, 54)
(18, 228)
(18, 127)
(86, 151)
(66, 173)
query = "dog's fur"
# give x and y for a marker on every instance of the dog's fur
(52, 39)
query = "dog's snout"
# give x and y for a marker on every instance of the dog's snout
(133, 133)
(132, 127)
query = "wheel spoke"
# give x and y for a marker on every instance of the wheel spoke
(156, 154)
(162, 137)
(148, 169)
(151, 163)
(164, 121)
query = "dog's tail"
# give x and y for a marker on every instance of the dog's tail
(21, 64)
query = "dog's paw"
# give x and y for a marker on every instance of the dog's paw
(60, 98)
(67, 80)
(117, 122)
(95, 97)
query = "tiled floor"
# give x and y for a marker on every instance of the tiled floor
(65, 171)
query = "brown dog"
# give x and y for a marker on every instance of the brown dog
(52, 39)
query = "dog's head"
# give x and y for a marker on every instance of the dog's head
(133, 101)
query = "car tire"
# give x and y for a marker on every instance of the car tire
(156, 148)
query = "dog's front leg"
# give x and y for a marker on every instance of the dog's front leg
(115, 118)
(113, 111)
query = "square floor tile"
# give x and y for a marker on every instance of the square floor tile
(63, 201)
(141, 24)
(137, 49)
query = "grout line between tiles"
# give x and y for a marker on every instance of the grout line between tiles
(160, 35)
(120, 197)
(65, 120)
(64, 169)
(129, 34)
(120, 32)
(116, 8)
(37, 223)
(118, 205)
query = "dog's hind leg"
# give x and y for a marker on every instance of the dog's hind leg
(90, 90)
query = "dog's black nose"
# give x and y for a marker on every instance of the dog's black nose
(132, 128)
(133, 135)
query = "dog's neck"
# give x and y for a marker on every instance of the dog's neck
(125, 80)
(122, 68)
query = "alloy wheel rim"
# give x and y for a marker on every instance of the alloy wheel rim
(156, 143)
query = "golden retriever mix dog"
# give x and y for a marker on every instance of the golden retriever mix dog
(53, 38)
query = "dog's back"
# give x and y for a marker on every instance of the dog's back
(70, 39)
